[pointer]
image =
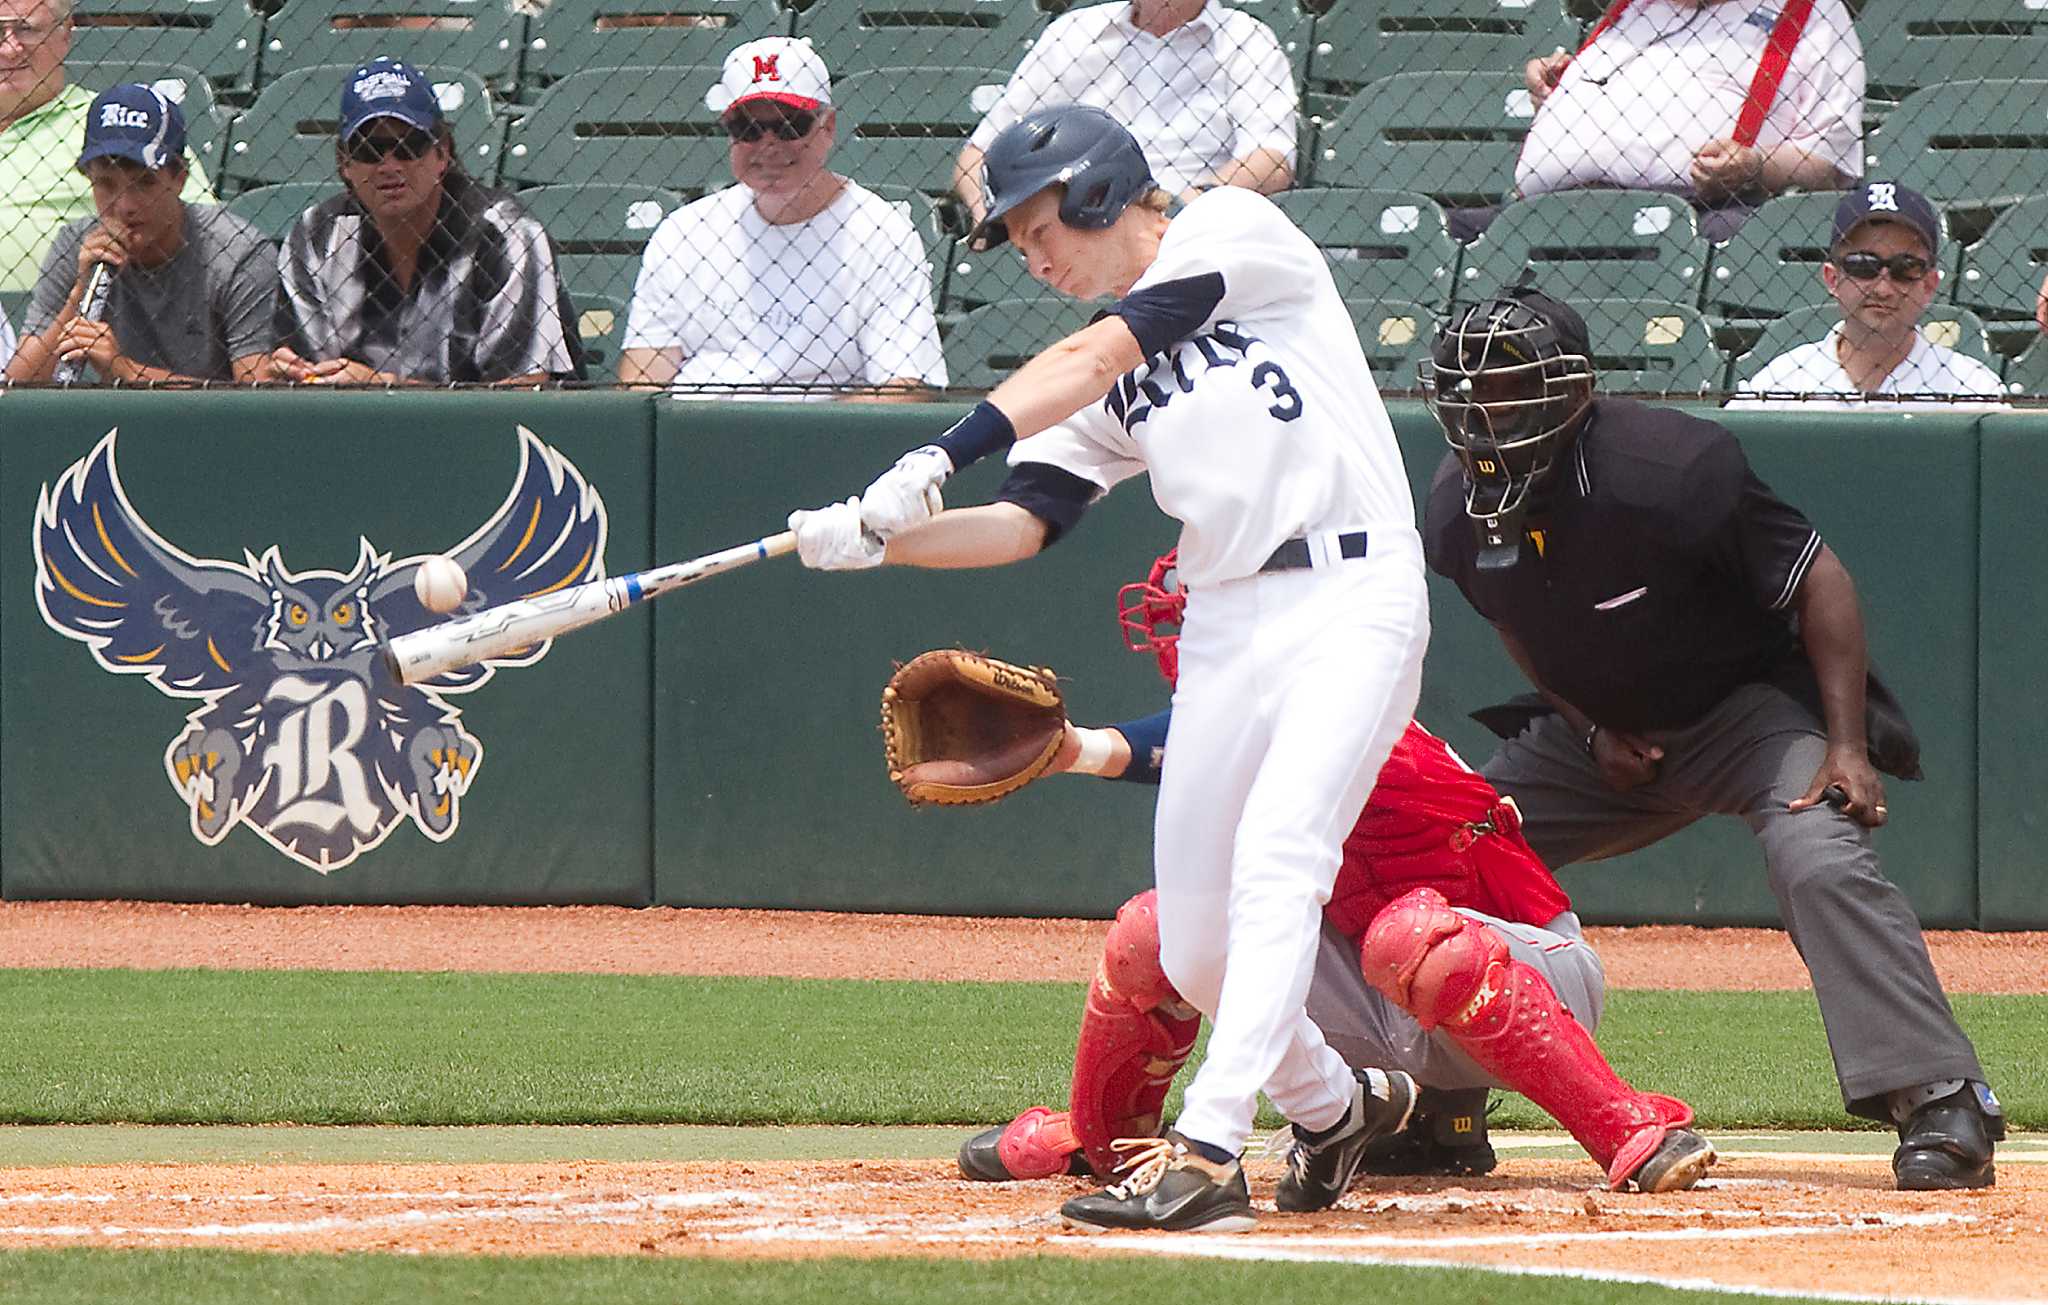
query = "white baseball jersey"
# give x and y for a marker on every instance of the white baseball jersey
(842, 299)
(6, 338)
(1816, 369)
(1260, 426)
(1665, 79)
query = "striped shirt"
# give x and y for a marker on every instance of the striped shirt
(486, 303)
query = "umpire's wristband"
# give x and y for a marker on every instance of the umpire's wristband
(981, 432)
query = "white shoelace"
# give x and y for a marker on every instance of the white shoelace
(1148, 1162)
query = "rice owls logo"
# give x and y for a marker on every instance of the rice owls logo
(1884, 197)
(303, 734)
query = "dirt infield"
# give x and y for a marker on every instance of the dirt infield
(809, 945)
(1765, 1218)
(1773, 1221)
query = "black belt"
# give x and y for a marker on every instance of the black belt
(1294, 555)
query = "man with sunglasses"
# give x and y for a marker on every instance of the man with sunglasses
(796, 280)
(151, 289)
(1698, 650)
(416, 274)
(1882, 270)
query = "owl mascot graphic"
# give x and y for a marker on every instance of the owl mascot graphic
(302, 735)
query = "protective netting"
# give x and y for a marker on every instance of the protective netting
(569, 210)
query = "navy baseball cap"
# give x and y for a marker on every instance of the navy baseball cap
(135, 122)
(388, 88)
(1888, 201)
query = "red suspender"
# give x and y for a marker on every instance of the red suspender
(1770, 73)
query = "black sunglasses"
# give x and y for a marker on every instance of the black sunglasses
(789, 126)
(1864, 266)
(373, 149)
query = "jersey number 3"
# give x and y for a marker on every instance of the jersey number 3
(1286, 399)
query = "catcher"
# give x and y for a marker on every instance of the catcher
(1448, 950)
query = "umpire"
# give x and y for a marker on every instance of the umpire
(1698, 651)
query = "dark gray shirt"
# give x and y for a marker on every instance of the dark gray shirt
(486, 303)
(209, 305)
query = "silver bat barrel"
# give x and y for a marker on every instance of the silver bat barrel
(91, 305)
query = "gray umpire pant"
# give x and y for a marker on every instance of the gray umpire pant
(1889, 1024)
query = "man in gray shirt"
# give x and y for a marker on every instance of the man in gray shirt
(152, 289)
(416, 274)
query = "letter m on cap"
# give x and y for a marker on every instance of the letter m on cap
(764, 68)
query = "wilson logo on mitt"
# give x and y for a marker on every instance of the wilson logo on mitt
(960, 728)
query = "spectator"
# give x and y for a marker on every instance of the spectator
(1680, 96)
(1206, 90)
(41, 119)
(796, 276)
(190, 288)
(415, 274)
(2041, 305)
(1881, 269)
(6, 338)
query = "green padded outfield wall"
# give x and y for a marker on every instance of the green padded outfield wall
(556, 811)
(2012, 697)
(722, 749)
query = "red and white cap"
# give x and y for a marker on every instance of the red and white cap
(779, 68)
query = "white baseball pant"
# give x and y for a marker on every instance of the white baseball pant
(1294, 686)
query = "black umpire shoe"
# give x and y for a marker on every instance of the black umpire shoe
(1678, 1162)
(1947, 1145)
(1320, 1166)
(1446, 1138)
(1172, 1188)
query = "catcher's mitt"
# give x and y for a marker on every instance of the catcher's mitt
(961, 728)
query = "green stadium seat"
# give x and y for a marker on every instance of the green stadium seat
(1642, 346)
(184, 86)
(1395, 335)
(996, 339)
(2024, 375)
(1361, 41)
(930, 223)
(1958, 328)
(1975, 145)
(289, 133)
(600, 232)
(218, 37)
(482, 37)
(1591, 244)
(273, 209)
(622, 126)
(976, 279)
(1772, 265)
(1909, 45)
(855, 36)
(1454, 139)
(1389, 244)
(2001, 274)
(905, 126)
(601, 322)
(568, 36)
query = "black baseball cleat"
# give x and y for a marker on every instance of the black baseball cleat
(1679, 1161)
(1041, 1137)
(1947, 1145)
(1446, 1137)
(1171, 1188)
(1320, 1166)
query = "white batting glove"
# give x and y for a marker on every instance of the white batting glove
(907, 494)
(833, 539)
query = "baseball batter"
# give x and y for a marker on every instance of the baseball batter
(1446, 943)
(1227, 368)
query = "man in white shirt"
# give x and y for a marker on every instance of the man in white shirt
(1682, 96)
(1206, 90)
(6, 338)
(1881, 269)
(795, 281)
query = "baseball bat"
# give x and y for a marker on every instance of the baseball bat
(508, 627)
(91, 304)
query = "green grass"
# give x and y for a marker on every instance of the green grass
(204, 1046)
(217, 1277)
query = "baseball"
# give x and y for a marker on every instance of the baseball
(440, 584)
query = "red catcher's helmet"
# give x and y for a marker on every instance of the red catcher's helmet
(1144, 607)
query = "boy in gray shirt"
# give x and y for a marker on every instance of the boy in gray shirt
(187, 290)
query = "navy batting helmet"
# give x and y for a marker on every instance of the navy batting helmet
(1082, 148)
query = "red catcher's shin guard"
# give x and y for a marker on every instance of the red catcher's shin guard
(1136, 1033)
(1452, 973)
